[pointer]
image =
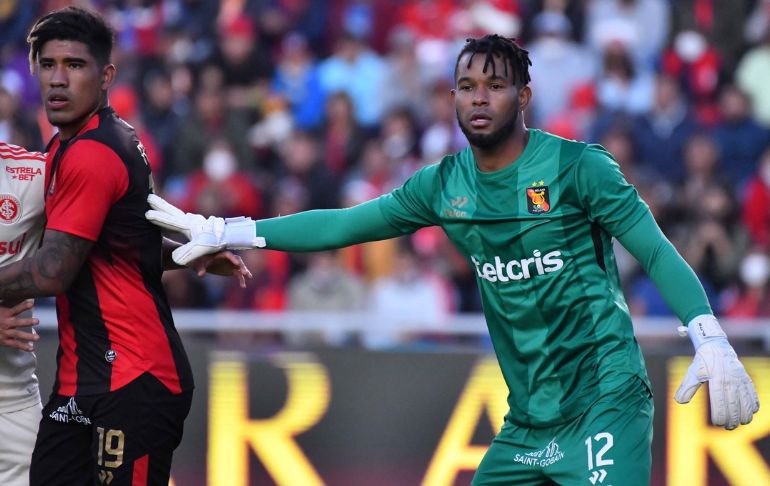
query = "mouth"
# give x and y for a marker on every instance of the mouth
(57, 101)
(480, 120)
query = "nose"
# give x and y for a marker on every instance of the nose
(58, 76)
(480, 96)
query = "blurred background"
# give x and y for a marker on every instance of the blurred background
(270, 107)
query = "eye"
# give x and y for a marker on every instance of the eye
(45, 64)
(75, 65)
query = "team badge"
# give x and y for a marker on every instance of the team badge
(538, 201)
(110, 356)
(10, 209)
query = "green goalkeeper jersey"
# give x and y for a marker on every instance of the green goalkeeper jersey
(538, 235)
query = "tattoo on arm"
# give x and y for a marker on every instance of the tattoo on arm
(50, 271)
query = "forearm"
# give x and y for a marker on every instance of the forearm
(673, 277)
(50, 271)
(326, 229)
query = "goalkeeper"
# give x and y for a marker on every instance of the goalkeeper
(534, 214)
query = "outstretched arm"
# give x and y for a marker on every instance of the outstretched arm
(308, 231)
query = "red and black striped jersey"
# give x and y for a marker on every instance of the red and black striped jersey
(114, 321)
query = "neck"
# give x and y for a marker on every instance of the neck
(71, 129)
(504, 154)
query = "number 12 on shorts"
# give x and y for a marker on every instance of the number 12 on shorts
(604, 442)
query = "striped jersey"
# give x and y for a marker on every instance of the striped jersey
(538, 236)
(114, 321)
(22, 220)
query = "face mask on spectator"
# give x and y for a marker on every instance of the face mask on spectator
(219, 164)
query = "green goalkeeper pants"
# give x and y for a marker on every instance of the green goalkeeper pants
(608, 445)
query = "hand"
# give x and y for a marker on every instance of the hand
(170, 217)
(733, 398)
(224, 263)
(10, 334)
(206, 235)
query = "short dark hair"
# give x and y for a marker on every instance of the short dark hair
(507, 48)
(72, 24)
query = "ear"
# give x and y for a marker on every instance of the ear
(108, 76)
(525, 96)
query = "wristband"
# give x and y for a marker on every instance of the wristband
(701, 329)
(241, 234)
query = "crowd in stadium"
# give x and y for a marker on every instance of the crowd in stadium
(270, 107)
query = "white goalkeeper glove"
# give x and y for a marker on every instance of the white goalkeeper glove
(206, 235)
(733, 398)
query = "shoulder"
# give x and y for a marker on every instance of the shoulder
(88, 156)
(10, 152)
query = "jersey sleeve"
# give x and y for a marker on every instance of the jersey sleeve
(673, 277)
(410, 207)
(605, 194)
(89, 180)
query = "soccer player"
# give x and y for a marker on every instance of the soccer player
(123, 384)
(534, 214)
(22, 220)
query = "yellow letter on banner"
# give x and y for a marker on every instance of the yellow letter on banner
(485, 391)
(691, 438)
(231, 430)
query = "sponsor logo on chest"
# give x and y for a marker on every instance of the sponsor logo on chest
(22, 173)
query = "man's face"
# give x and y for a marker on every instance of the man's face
(72, 84)
(487, 104)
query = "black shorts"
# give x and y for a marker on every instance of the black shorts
(123, 438)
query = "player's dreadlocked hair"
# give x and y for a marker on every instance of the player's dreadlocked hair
(493, 44)
(72, 24)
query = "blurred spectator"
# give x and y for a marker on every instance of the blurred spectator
(399, 135)
(360, 72)
(662, 132)
(325, 286)
(751, 299)
(717, 21)
(756, 204)
(441, 135)
(16, 17)
(160, 115)
(622, 87)
(694, 61)
(302, 163)
(219, 188)
(15, 127)
(713, 240)
(210, 119)
(751, 76)
(552, 51)
(246, 66)
(741, 140)
(412, 292)
(408, 82)
(297, 79)
(702, 170)
(341, 135)
(644, 24)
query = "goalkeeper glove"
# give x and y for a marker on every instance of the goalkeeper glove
(733, 398)
(206, 235)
